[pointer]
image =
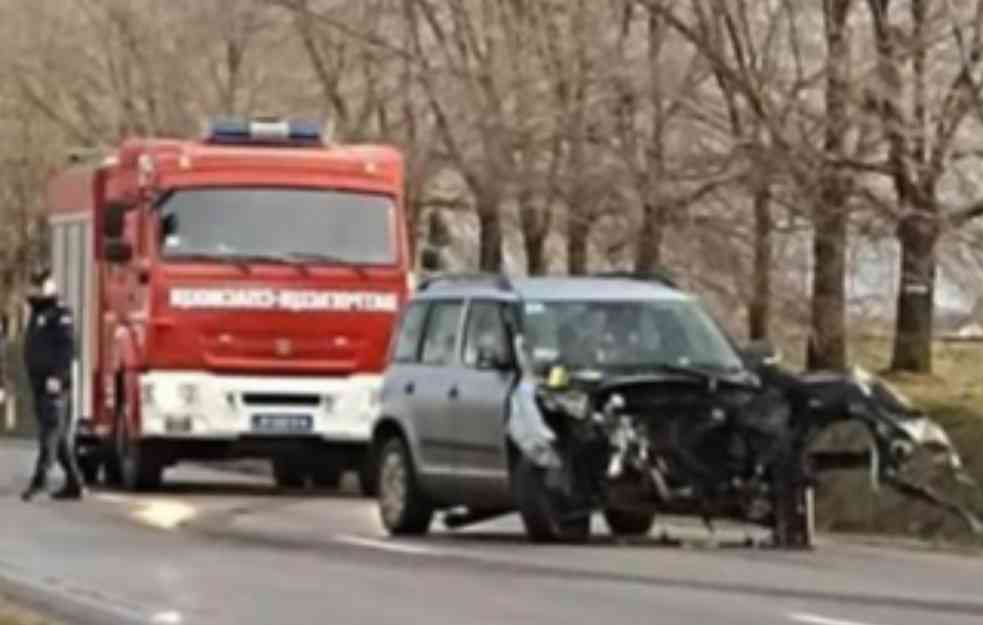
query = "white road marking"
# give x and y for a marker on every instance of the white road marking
(815, 619)
(111, 498)
(165, 514)
(167, 618)
(386, 545)
(46, 587)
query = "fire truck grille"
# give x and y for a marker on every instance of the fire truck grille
(280, 399)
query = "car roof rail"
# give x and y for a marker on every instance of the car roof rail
(661, 276)
(500, 281)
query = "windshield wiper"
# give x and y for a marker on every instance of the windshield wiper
(282, 259)
(711, 377)
(205, 257)
(325, 258)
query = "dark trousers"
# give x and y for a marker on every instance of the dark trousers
(54, 439)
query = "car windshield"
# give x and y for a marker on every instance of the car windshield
(306, 224)
(627, 335)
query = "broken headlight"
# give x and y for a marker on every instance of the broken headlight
(573, 403)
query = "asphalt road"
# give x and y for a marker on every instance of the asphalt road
(220, 548)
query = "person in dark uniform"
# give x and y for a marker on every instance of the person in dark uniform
(49, 350)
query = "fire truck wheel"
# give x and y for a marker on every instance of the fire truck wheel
(367, 478)
(288, 473)
(139, 468)
(90, 469)
(114, 472)
(326, 474)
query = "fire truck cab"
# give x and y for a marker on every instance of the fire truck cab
(234, 296)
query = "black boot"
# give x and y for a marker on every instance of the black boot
(69, 492)
(30, 493)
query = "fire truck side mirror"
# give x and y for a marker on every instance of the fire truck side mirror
(115, 212)
(118, 251)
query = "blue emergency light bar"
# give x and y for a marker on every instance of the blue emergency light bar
(238, 131)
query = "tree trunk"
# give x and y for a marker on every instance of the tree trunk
(648, 251)
(827, 345)
(759, 313)
(578, 233)
(913, 333)
(535, 227)
(490, 235)
(535, 243)
(827, 349)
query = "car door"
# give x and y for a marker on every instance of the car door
(399, 398)
(431, 382)
(478, 402)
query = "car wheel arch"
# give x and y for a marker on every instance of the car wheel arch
(387, 428)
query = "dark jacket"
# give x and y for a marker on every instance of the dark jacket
(49, 346)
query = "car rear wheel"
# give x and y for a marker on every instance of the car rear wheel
(404, 508)
(629, 522)
(542, 514)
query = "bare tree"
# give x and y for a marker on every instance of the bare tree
(921, 133)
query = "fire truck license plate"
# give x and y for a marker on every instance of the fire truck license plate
(282, 423)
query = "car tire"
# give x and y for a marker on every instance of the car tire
(629, 522)
(539, 512)
(403, 507)
(288, 473)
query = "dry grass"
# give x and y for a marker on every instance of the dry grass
(12, 614)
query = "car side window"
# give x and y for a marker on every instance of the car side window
(440, 339)
(485, 330)
(410, 332)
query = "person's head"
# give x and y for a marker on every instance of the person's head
(42, 290)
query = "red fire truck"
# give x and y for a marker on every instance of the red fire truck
(234, 297)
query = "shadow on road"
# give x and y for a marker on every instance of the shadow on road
(219, 489)
(654, 541)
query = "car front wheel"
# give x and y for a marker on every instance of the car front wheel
(629, 522)
(403, 507)
(543, 515)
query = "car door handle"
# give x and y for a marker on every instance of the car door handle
(454, 393)
(410, 388)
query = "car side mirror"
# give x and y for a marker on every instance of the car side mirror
(118, 251)
(760, 353)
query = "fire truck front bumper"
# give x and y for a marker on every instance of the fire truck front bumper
(203, 406)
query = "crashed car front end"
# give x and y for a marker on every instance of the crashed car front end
(685, 441)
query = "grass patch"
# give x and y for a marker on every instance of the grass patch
(12, 614)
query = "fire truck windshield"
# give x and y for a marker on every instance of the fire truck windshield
(316, 225)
